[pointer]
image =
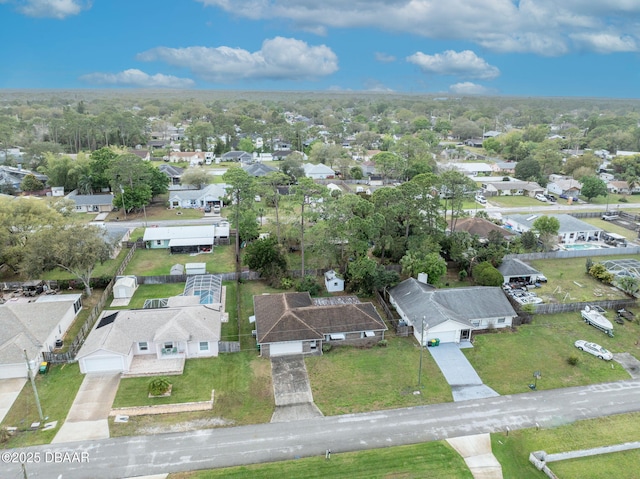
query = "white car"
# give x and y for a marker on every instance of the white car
(481, 199)
(540, 197)
(594, 349)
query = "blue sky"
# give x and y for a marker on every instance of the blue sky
(500, 47)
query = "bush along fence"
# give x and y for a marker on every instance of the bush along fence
(94, 314)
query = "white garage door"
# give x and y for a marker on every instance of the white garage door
(289, 347)
(102, 364)
(444, 336)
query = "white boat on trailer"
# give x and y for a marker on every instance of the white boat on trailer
(597, 320)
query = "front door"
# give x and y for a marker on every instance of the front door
(465, 334)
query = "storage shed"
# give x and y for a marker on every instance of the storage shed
(196, 268)
(333, 282)
(124, 287)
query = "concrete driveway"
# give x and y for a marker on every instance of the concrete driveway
(9, 391)
(292, 390)
(87, 418)
(457, 370)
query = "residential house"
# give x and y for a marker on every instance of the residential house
(34, 327)
(241, 156)
(318, 171)
(102, 203)
(491, 134)
(505, 167)
(481, 228)
(259, 169)
(571, 229)
(162, 333)
(209, 195)
(194, 158)
(187, 239)
(173, 172)
(513, 188)
(450, 315)
(618, 187)
(567, 187)
(144, 154)
(469, 168)
(13, 176)
(474, 142)
(294, 323)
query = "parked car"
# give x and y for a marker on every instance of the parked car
(610, 215)
(594, 349)
(566, 197)
(481, 199)
(207, 209)
(541, 278)
(550, 198)
(540, 197)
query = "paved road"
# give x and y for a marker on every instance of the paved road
(133, 456)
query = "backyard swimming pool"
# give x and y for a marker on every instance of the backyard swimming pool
(580, 246)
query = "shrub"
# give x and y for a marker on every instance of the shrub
(573, 360)
(159, 386)
(286, 283)
(326, 347)
(588, 264)
(4, 435)
(599, 272)
(462, 275)
(383, 343)
(485, 274)
(623, 200)
(308, 283)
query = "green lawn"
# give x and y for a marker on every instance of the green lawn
(515, 201)
(88, 303)
(614, 200)
(229, 330)
(350, 380)
(513, 450)
(242, 384)
(435, 460)
(247, 291)
(563, 274)
(152, 291)
(57, 390)
(506, 361)
(158, 262)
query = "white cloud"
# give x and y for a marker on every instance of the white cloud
(137, 78)
(278, 59)
(544, 27)
(469, 88)
(58, 9)
(464, 64)
(384, 57)
(605, 43)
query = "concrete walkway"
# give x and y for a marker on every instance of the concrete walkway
(88, 416)
(457, 370)
(9, 392)
(292, 390)
(476, 452)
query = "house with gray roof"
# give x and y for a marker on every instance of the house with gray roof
(294, 323)
(450, 315)
(187, 239)
(165, 333)
(33, 327)
(102, 203)
(571, 229)
(259, 169)
(209, 195)
(241, 156)
(318, 171)
(13, 176)
(513, 188)
(173, 172)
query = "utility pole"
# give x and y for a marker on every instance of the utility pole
(421, 351)
(33, 385)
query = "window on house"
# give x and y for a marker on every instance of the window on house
(159, 242)
(204, 345)
(168, 345)
(143, 346)
(476, 323)
(501, 320)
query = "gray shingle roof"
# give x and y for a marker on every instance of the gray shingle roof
(178, 324)
(515, 267)
(568, 224)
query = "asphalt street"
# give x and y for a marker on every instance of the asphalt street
(213, 448)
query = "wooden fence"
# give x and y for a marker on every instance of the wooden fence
(401, 328)
(614, 304)
(94, 314)
(229, 346)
